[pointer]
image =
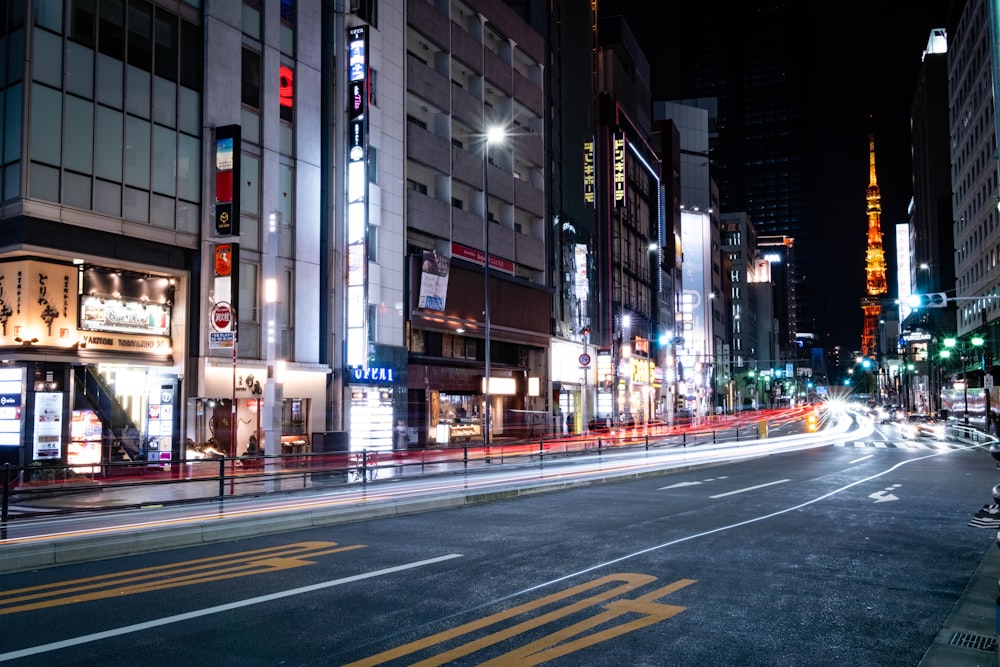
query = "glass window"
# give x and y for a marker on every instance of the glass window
(76, 190)
(164, 161)
(189, 111)
(136, 205)
(250, 19)
(82, 22)
(250, 185)
(43, 182)
(47, 56)
(111, 29)
(164, 102)
(286, 93)
(15, 56)
(12, 124)
(137, 91)
(166, 55)
(108, 145)
(140, 35)
(250, 79)
(136, 153)
(79, 70)
(48, 14)
(286, 188)
(12, 180)
(188, 167)
(108, 198)
(110, 77)
(79, 133)
(187, 217)
(248, 293)
(161, 211)
(46, 125)
(190, 55)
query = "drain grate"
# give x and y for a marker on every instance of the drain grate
(968, 640)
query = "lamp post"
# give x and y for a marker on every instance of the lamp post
(494, 135)
(953, 343)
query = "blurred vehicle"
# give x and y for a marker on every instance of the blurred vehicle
(889, 414)
(918, 425)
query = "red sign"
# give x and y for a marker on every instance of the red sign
(222, 316)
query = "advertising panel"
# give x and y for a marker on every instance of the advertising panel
(38, 302)
(48, 425)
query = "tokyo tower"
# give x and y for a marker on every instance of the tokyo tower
(875, 280)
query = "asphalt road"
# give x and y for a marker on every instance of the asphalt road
(839, 555)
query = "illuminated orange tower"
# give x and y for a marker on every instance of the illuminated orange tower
(875, 280)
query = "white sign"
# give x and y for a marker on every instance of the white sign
(218, 340)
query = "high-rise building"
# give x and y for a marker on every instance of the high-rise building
(753, 67)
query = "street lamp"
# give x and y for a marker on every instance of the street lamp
(494, 135)
(949, 345)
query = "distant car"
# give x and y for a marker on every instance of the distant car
(917, 425)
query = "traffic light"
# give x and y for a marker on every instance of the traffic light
(932, 300)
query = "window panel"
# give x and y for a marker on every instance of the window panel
(43, 182)
(46, 125)
(189, 111)
(248, 293)
(138, 94)
(79, 133)
(108, 145)
(12, 124)
(188, 167)
(76, 190)
(82, 21)
(136, 205)
(110, 77)
(166, 55)
(164, 102)
(46, 51)
(250, 185)
(140, 35)
(15, 55)
(187, 217)
(137, 152)
(108, 198)
(250, 79)
(286, 187)
(191, 46)
(11, 184)
(79, 70)
(48, 14)
(164, 160)
(111, 29)
(250, 20)
(161, 211)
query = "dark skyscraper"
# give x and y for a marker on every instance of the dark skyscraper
(758, 63)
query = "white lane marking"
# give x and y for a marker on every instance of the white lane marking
(683, 484)
(749, 488)
(177, 618)
(713, 531)
(886, 494)
(861, 459)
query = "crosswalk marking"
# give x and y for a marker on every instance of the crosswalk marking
(900, 444)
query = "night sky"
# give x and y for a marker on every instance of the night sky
(870, 55)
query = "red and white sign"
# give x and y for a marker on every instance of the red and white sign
(222, 316)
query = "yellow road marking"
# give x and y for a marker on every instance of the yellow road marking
(172, 575)
(551, 646)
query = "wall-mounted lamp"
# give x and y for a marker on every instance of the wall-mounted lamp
(26, 342)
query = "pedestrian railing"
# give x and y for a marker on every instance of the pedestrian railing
(31, 491)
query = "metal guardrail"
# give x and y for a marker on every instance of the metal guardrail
(37, 490)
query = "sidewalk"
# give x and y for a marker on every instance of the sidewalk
(969, 634)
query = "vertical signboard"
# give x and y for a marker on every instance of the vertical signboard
(227, 180)
(356, 314)
(588, 173)
(618, 153)
(11, 423)
(225, 293)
